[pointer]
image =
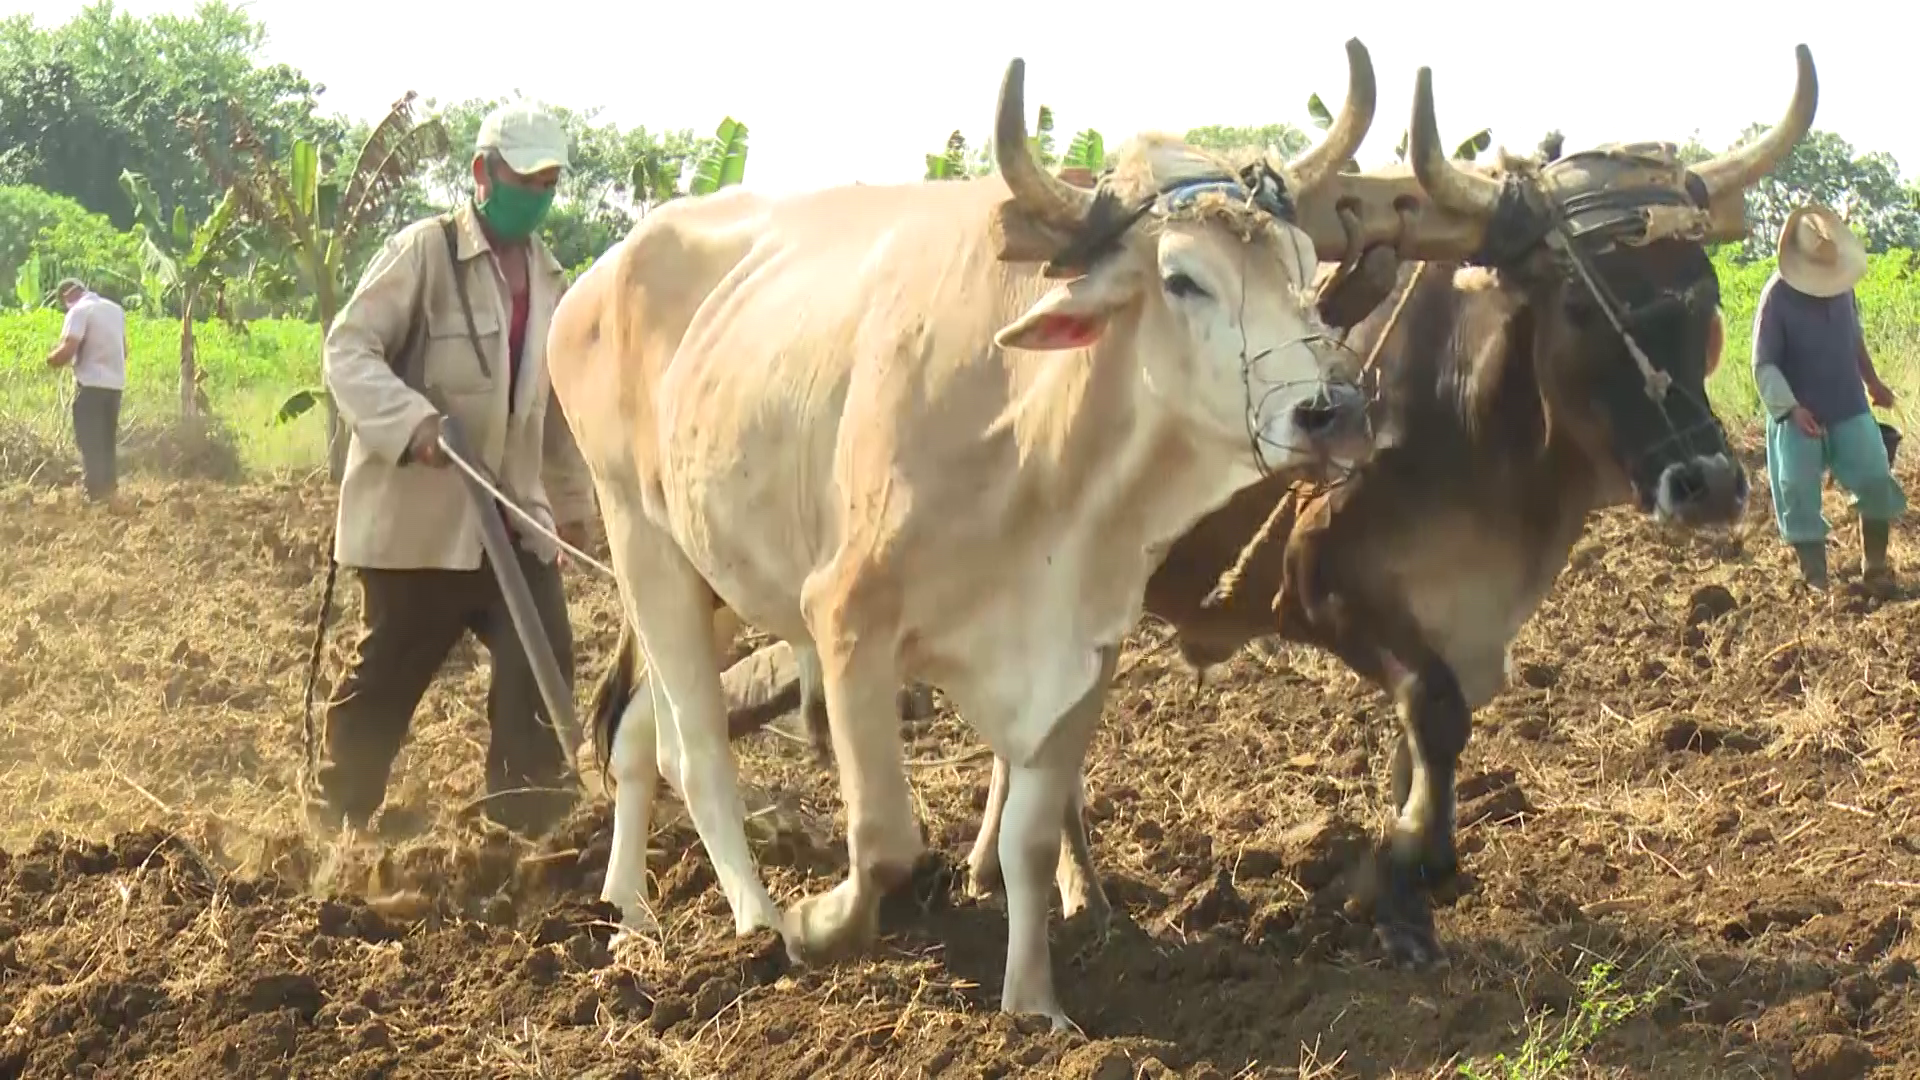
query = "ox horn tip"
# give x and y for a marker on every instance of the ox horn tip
(1423, 97)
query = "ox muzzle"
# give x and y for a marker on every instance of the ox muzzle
(1709, 489)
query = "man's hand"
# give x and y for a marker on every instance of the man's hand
(424, 447)
(1804, 420)
(574, 533)
(1880, 393)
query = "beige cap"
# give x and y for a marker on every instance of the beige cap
(527, 137)
(1819, 254)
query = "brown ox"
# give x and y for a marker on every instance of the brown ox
(1521, 393)
(863, 419)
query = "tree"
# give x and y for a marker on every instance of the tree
(322, 216)
(1865, 188)
(59, 237)
(104, 92)
(188, 262)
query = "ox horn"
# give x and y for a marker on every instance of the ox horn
(1051, 199)
(1740, 168)
(1344, 136)
(1455, 189)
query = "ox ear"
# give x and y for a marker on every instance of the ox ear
(1019, 237)
(1072, 315)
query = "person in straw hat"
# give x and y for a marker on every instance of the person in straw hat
(1817, 381)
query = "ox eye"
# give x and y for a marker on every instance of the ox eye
(1179, 284)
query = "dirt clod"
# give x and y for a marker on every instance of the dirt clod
(1832, 1057)
(1697, 773)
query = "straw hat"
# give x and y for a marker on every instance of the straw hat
(1819, 254)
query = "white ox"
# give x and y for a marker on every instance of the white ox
(864, 420)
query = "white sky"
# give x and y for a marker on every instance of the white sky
(841, 90)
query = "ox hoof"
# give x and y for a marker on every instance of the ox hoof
(630, 936)
(751, 921)
(1087, 901)
(1056, 1017)
(983, 879)
(830, 927)
(634, 921)
(1411, 945)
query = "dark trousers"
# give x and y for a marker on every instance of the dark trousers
(413, 619)
(96, 431)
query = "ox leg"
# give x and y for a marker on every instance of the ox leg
(642, 751)
(813, 703)
(1039, 795)
(1435, 723)
(1075, 877)
(883, 836)
(676, 624)
(636, 777)
(983, 862)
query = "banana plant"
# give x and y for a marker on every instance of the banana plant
(655, 177)
(1042, 138)
(319, 215)
(950, 164)
(1475, 144)
(956, 162)
(182, 261)
(1087, 151)
(30, 283)
(723, 165)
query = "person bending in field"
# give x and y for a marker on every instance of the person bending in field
(93, 341)
(1816, 380)
(402, 353)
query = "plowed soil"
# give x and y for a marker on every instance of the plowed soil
(1702, 779)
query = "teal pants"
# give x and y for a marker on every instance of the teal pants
(1797, 464)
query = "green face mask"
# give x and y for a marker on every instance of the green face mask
(512, 212)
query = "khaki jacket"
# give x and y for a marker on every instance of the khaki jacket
(421, 517)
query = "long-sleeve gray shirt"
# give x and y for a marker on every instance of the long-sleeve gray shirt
(1806, 351)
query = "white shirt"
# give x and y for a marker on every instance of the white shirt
(101, 327)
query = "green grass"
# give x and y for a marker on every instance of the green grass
(1556, 1047)
(247, 375)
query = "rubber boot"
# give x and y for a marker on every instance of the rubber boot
(1813, 562)
(1873, 542)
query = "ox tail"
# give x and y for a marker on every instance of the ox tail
(610, 697)
(623, 679)
(813, 707)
